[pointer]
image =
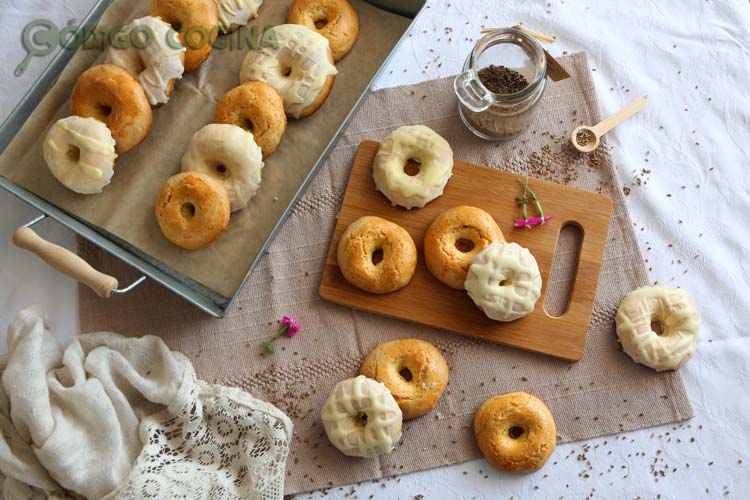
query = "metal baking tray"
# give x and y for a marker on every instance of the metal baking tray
(192, 291)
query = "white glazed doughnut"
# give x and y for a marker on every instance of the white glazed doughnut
(80, 153)
(674, 311)
(504, 281)
(421, 144)
(361, 418)
(236, 13)
(297, 62)
(227, 153)
(155, 59)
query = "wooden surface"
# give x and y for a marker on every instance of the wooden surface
(429, 302)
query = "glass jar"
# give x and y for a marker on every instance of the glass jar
(497, 116)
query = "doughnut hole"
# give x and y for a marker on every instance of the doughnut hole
(516, 431)
(103, 110)
(464, 245)
(361, 418)
(187, 210)
(245, 123)
(320, 23)
(406, 374)
(177, 26)
(73, 153)
(286, 71)
(412, 167)
(377, 256)
(657, 327)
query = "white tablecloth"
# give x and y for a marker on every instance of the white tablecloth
(692, 215)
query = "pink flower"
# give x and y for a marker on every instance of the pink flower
(288, 326)
(293, 327)
(534, 221)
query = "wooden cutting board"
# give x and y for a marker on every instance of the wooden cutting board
(428, 302)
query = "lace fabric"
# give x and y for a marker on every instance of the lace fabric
(145, 428)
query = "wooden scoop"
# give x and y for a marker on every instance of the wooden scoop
(586, 139)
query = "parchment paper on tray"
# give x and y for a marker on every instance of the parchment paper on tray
(126, 207)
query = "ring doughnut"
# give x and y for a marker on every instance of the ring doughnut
(197, 22)
(652, 308)
(229, 155)
(426, 147)
(376, 255)
(192, 210)
(236, 13)
(504, 281)
(454, 238)
(258, 108)
(158, 64)
(361, 418)
(413, 370)
(80, 153)
(515, 432)
(298, 63)
(334, 19)
(109, 94)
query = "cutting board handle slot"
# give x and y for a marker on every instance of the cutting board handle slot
(564, 270)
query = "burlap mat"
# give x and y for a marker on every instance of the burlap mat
(604, 393)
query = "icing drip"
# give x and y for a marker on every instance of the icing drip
(92, 168)
(235, 151)
(673, 309)
(157, 63)
(420, 143)
(504, 281)
(234, 13)
(296, 64)
(356, 397)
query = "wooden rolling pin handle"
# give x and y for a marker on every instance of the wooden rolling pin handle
(64, 261)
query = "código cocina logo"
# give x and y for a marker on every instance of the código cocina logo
(41, 37)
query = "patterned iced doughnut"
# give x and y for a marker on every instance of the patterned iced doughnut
(361, 418)
(419, 143)
(298, 63)
(80, 153)
(229, 154)
(674, 311)
(156, 62)
(504, 281)
(236, 13)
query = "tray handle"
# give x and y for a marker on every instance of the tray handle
(68, 262)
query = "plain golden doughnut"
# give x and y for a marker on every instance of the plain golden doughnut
(197, 22)
(192, 210)
(413, 370)
(108, 93)
(515, 432)
(454, 238)
(258, 108)
(376, 255)
(334, 19)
